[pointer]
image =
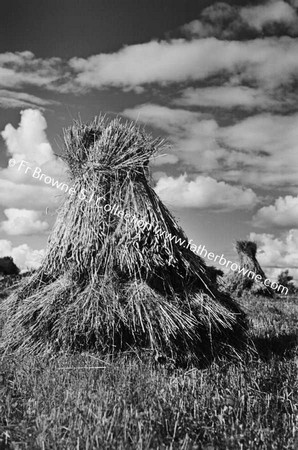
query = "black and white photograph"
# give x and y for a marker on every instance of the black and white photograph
(149, 225)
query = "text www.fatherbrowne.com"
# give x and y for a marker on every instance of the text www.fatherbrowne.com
(143, 225)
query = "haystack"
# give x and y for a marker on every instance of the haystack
(108, 285)
(8, 267)
(244, 282)
(215, 275)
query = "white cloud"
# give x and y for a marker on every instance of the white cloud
(29, 142)
(181, 60)
(170, 120)
(165, 158)
(162, 62)
(200, 29)
(264, 132)
(29, 139)
(23, 221)
(225, 97)
(260, 150)
(267, 145)
(283, 214)
(20, 195)
(24, 256)
(204, 193)
(177, 60)
(219, 19)
(12, 99)
(278, 253)
(23, 68)
(194, 138)
(229, 22)
(267, 13)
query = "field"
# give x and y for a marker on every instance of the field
(89, 402)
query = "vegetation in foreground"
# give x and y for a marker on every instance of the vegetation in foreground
(85, 402)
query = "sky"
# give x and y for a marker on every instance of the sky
(217, 80)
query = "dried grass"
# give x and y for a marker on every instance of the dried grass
(106, 285)
(238, 283)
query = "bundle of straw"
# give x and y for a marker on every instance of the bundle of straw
(107, 285)
(8, 267)
(238, 283)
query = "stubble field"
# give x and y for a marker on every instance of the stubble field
(93, 402)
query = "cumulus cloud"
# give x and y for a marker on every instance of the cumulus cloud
(278, 253)
(29, 142)
(23, 221)
(29, 139)
(204, 193)
(282, 214)
(24, 256)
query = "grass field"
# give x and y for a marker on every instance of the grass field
(85, 402)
